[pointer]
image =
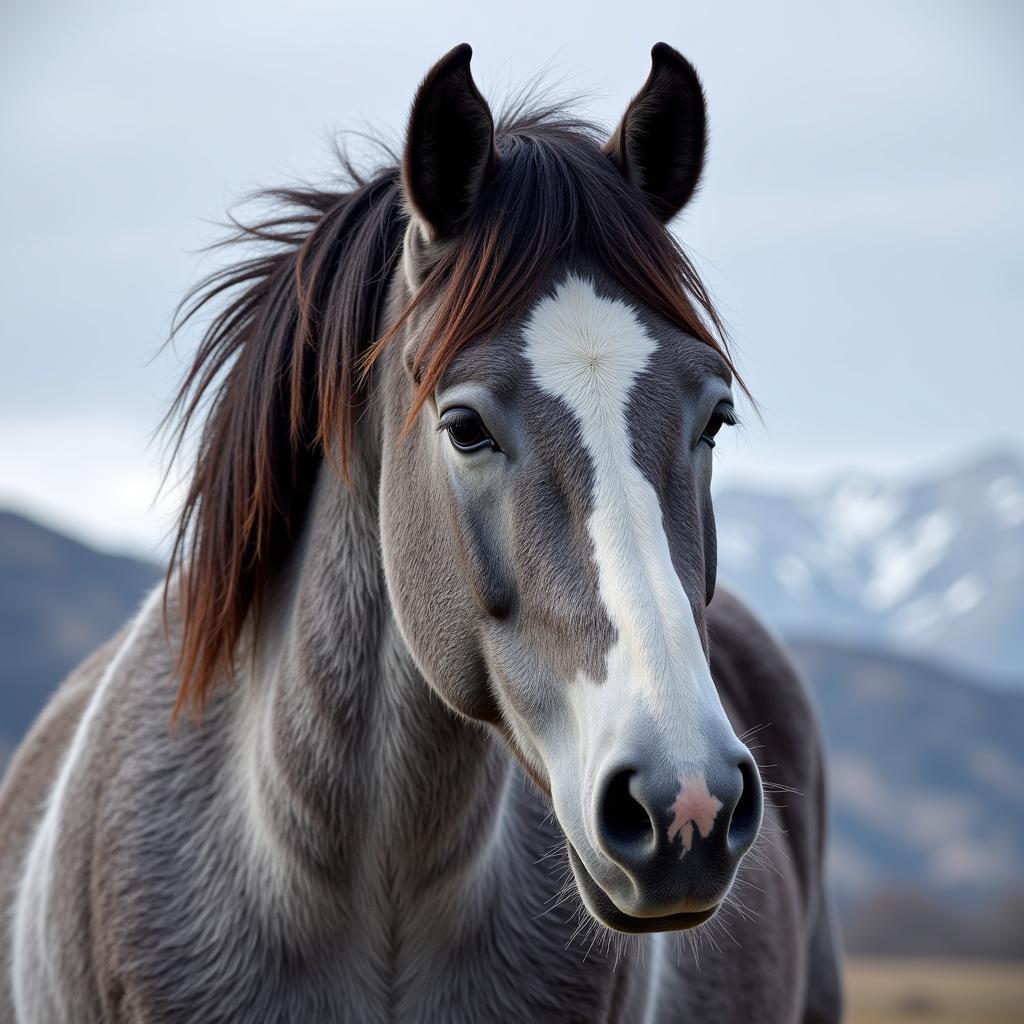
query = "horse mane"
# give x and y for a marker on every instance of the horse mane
(281, 372)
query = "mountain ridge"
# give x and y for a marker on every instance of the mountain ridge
(932, 566)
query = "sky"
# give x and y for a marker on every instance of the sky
(859, 225)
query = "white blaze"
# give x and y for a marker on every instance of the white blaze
(589, 351)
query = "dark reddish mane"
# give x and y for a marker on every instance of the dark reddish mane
(283, 367)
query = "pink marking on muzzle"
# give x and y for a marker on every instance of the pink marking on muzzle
(694, 805)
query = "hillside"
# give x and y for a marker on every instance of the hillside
(59, 600)
(927, 773)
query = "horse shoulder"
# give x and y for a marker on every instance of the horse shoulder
(28, 781)
(49, 806)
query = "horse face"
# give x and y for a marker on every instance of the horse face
(549, 546)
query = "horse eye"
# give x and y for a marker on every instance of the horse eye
(723, 414)
(465, 430)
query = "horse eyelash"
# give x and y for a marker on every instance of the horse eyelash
(728, 415)
(450, 420)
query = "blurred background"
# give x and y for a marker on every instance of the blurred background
(860, 226)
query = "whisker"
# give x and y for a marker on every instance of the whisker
(752, 731)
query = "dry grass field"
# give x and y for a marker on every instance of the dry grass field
(897, 991)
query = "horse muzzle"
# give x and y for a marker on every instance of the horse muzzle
(666, 840)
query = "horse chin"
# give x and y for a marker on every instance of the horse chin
(602, 909)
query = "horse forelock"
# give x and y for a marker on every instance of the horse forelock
(279, 379)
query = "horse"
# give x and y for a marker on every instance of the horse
(436, 715)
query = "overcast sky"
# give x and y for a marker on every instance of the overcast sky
(860, 222)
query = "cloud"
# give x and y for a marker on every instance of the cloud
(858, 222)
(93, 475)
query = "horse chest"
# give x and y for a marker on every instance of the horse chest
(469, 957)
(380, 971)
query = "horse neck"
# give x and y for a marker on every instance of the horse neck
(357, 768)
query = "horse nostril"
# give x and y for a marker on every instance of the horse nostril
(746, 816)
(624, 820)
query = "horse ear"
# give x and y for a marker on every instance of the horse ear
(660, 142)
(449, 150)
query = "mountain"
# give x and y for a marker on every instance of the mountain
(59, 600)
(932, 566)
(926, 770)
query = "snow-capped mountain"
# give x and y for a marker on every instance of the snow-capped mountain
(930, 566)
